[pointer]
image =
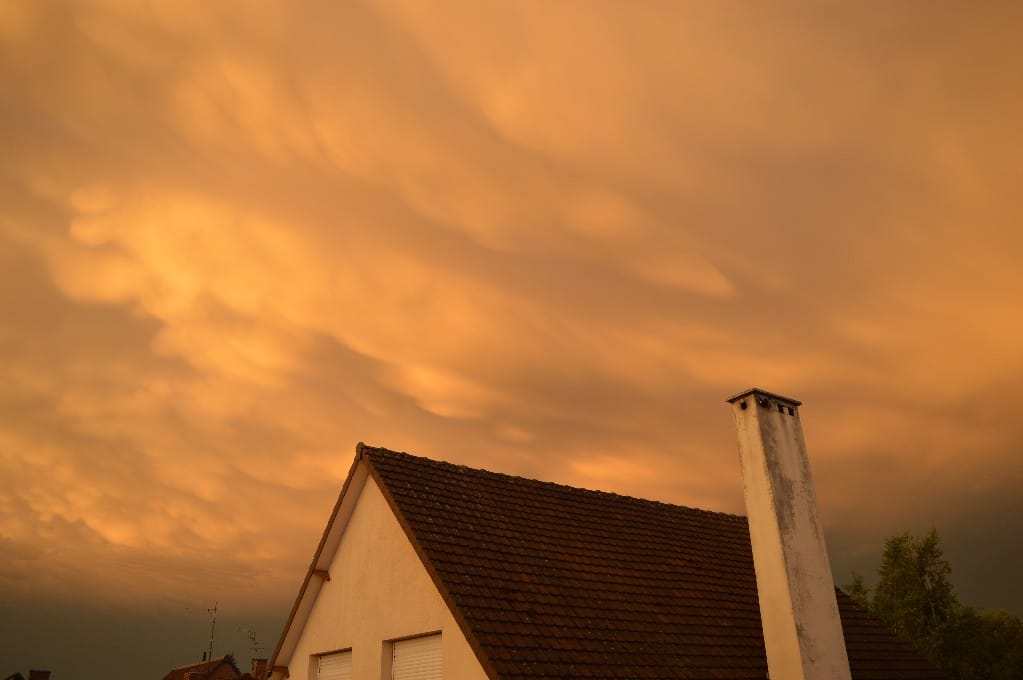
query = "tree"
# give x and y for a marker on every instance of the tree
(914, 593)
(857, 589)
(987, 645)
(915, 597)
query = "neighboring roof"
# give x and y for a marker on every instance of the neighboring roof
(223, 668)
(550, 581)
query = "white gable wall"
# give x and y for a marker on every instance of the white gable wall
(378, 591)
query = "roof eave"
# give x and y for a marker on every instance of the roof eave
(324, 554)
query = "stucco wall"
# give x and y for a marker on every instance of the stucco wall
(379, 591)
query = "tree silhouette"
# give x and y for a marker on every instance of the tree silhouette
(914, 595)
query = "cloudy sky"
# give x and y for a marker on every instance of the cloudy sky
(542, 238)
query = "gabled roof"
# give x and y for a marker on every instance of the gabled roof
(222, 668)
(550, 581)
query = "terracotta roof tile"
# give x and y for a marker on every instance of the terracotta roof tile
(222, 668)
(551, 581)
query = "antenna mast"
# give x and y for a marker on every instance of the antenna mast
(256, 645)
(213, 627)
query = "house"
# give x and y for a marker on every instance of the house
(426, 566)
(222, 668)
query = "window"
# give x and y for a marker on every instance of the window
(336, 666)
(416, 658)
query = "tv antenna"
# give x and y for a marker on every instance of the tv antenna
(213, 627)
(256, 645)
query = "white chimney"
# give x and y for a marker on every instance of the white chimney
(802, 629)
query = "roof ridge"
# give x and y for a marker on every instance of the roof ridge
(370, 451)
(199, 663)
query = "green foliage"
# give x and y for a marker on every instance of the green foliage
(987, 645)
(857, 590)
(915, 597)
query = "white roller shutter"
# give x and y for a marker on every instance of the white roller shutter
(336, 666)
(417, 659)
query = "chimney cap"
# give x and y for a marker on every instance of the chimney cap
(757, 392)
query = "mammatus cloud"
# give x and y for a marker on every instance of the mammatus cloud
(547, 240)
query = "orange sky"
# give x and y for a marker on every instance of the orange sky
(542, 238)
